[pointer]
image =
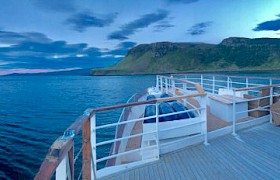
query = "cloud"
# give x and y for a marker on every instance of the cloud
(181, 1)
(7, 37)
(162, 26)
(199, 28)
(32, 50)
(81, 21)
(56, 5)
(140, 23)
(273, 25)
(126, 45)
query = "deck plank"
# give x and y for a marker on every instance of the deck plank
(253, 155)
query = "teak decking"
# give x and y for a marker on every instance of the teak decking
(255, 154)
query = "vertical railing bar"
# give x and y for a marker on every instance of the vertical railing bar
(161, 85)
(173, 86)
(157, 82)
(61, 170)
(166, 85)
(93, 146)
(270, 99)
(233, 113)
(157, 129)
(203, 116)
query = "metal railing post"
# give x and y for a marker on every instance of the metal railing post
(247, 82)
(157, 129)
(204, 118)
(173, 86)
(93, 146)
(233, 113)
(270, 100)
(166, 85)
(61, 170)
(157, 82)
(161, 84)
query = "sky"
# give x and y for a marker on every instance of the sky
(60, 35)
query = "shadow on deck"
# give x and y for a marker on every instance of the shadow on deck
(254, 154)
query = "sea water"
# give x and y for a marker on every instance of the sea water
(35, 110)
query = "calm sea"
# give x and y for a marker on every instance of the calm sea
(35, 110)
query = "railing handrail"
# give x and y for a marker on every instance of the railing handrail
(221, 75)
(196, 85)
(256, 87)
(107, 108)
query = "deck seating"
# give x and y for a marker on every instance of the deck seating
(258, 103)
(165, 108)
(150, 110)
(179, 107)
(166, 96)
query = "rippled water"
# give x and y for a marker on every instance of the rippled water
(35, 110)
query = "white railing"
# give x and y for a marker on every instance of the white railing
(237, 87)
(212, 83)
(145, 153)
(100, 155)
(258, 106)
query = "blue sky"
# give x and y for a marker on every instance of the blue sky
(52, 35)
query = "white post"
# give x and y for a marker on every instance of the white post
(270, 99)
(213, 84)
(203, 114)
(233, 113)
(161, 84)
(173, 86)
(157, 129)
(61, 170)
(157, 83)
(247, 82)
(93, 146)
(166, 85)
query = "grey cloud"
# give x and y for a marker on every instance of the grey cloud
(140, 23)
(199, 28)
(81, 21)
(13, 37)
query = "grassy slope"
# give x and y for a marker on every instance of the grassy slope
(253, 54)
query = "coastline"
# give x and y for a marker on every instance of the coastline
(184, 72)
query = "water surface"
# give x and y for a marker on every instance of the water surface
(35, 110)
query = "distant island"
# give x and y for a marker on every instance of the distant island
(230, 55)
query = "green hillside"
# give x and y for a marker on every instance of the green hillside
(230, 54)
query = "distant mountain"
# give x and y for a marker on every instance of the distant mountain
(82, 72)
(231, 54)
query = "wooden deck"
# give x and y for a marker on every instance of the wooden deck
(254, 155)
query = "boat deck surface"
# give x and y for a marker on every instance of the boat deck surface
(254, 154)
